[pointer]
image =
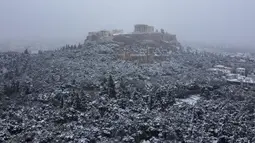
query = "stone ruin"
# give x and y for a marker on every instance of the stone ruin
(143, 37)
(143, 28)
(141, 32)
(103, 35)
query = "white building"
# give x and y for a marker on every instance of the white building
(117, 32)
(220, 69)
(240, 71)
(237, 78)
(143, 28)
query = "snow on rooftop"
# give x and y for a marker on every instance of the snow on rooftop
(192, 100)
(240, 68)
(219, 66)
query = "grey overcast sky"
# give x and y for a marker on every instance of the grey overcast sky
(229, 21)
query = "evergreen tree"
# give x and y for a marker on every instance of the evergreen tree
(77, 101)
(16, 71)
(111, 87)
(73, 82)
(246, 72)
(123, 90)
(79, 46)
(13, 86)
(104, 88)
(26, 51)
(6, 89)
(27, 90)
(62, 101)
(17, 86)
(10, 89)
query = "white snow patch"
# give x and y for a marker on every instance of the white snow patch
(192, 100)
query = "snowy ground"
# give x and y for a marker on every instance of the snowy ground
(191, 100)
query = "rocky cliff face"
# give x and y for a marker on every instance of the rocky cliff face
(152, 40)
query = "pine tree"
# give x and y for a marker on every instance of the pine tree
(79, 46)
(6, 89)
(27, 90)
(13, 86)
(62, 101)
(16, 71)
(111, 87)
(17, 86)
(77, 101)
(26, 51)
(123, 89)
(73, 82)
(104, 88)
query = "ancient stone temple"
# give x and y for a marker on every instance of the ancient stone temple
(143, 28)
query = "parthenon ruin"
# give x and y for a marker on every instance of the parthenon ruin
(143, 28)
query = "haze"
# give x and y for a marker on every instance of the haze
(228, 21)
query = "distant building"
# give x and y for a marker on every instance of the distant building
(92, 33)
(143, 28)
(95, 36)
(240, 71)
(239, 79)
(117, 32)
(150, 29)
(219, 66)
(104, 33)
(220, 69)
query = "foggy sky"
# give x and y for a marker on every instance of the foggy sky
(229, 21)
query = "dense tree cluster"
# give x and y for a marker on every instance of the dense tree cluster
(85, 94)
(79, 46)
